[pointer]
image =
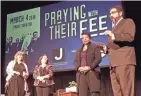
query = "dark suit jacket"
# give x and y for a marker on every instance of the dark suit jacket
(93, 58)
(124, 33)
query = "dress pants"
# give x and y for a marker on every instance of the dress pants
(122, 80)
(84, 87)
(42, 91)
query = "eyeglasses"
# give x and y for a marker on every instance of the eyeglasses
(114, 12)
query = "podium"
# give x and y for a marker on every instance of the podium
(69, 94)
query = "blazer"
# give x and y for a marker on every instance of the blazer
(121, 50)
(93, 59)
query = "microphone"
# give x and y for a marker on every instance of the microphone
(101, 45)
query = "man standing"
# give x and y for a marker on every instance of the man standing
(87, 60)
(121, 51)
(33, 44)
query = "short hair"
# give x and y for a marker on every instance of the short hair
(119, 9)
(86, 33)
(35, 32)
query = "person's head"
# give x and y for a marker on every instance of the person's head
(35, 34)
(85, 38)
(17, 40)
(21, 40)
(116, 12)
(19, 56)
(10, 39)
(43, 59)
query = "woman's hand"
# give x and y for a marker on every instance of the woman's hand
(40, 78)
(25, 74)
(43, 81)
(16, 72)
(47, 76)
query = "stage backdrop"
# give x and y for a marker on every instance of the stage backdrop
(56, 30)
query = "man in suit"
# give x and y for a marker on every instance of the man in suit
(121, 52)
(34, 42)
(87, 61)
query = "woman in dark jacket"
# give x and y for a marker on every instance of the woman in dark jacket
(43, 76)
(87, 61)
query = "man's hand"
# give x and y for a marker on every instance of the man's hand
(81, 69)
(109, 33)
(104, 47)
(86, 69)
